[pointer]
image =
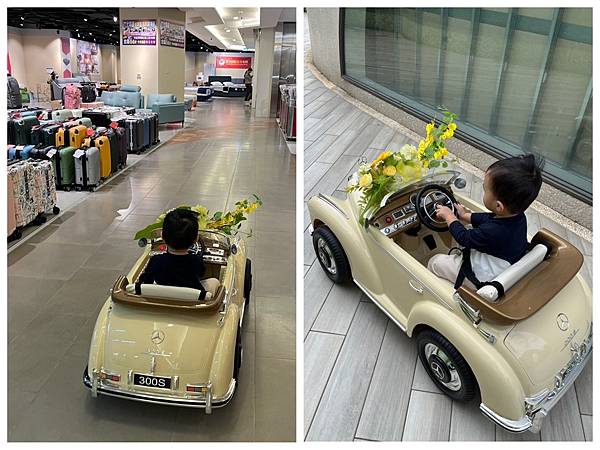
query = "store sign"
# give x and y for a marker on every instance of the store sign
(234, 62)
(172, 34)
(139, 32)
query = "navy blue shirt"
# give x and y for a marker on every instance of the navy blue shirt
(504, 238)
(174, 270)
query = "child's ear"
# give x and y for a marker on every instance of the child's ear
(500, 207)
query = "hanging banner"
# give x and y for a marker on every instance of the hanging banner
(87, 58)
(65, 57)
(139, 32)
(234, 62)
(172, 34)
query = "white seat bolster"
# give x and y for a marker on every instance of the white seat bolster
(172, 292)
(515, 272)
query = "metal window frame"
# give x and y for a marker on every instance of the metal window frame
(578, 124)
(441, 59)
(464, 104)
(479, 139)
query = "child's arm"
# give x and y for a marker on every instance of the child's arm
(462, 213)
(471, 238)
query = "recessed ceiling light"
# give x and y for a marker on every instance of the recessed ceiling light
(21, 24)
(22, 18)
(234, 18)
(115, 18)
(84, 19)
(229, 31)
(90, 33)
(77, 29)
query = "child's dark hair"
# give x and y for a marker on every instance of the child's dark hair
(516, 181)
(180, 228)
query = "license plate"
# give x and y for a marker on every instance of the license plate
(151, 381)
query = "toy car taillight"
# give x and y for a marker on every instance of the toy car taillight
(201, 388)
(110, 376)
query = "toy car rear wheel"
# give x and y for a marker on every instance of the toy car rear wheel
(247, 281)
(446, 367)
(331, 255)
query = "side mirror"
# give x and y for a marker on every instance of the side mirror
(460, 183)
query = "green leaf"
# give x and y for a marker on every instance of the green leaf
(147, 232)
(218, 215)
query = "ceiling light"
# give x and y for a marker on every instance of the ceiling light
(228, 31)
(76, 29)
(84, 19)
(90, 33)
(234, 18)
(115, 18)
(21, 24)
(22, 18)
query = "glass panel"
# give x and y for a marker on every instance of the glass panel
(510, 70)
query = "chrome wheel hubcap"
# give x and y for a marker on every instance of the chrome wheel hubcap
(326, 257)
(442, 367)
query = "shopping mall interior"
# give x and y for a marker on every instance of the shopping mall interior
(115, 117)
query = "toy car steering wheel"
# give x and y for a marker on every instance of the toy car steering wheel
(427, 199)
(197, 248)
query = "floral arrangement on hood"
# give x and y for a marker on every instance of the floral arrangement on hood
(392, 170)
(228, 222)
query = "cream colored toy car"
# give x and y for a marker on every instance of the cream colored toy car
(161, 344)
(519, 352)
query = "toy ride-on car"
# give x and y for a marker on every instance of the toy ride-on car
(519, 344)
(161, 344)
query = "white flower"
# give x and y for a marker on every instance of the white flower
(408, 151)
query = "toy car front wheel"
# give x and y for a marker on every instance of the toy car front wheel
(446, 366)
(331, 255)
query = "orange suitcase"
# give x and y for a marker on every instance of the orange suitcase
(76, 135)
(60, 138)
(103, 144)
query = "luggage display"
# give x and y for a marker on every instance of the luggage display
(102, 143)
(72, 96)
(153, 122)
(23, 128)
(77, 134)
(49, 134)
(80, 121)
(21, 181)
(20, 151)
(41, 153)
(38, 134)
(87, 168)
(44, 184)
(11, 225)
(64, 167)
(61, 115)
(134, 134)
(13, 94)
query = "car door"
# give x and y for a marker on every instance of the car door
(398, 270)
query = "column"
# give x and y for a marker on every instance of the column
(263, 70)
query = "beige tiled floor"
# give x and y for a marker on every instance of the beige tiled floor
(59, 278)
(361, 374)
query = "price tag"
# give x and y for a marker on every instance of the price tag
(51, 153)
(78, 153)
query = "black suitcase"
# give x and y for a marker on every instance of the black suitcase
(88, 93)
(134, 134)
(98, 118)
(13, 93)
(114, 150)
(23, 128)
(41, 153)
(122, 145)
(11, 133)
(38, 134)
(49, 134)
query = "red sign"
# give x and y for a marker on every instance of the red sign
(234, 62)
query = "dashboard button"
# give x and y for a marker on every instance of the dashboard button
(386, 231)
(388, 219)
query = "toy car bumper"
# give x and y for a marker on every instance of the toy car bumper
(538, 406)
(207, 402)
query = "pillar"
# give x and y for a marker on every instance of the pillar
(263, 70)
(156, 68)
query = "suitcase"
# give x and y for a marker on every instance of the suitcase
(77, 134)
(88, 93)
(11, 132)
(102, 143)
(71, 96)
(41, 153)
(78, 113)
(122, 142)
(20, 151)
(153, 119)
(61, 115)
(21, 181)
(87, 168)
(49, 135)
(134, 134)
(44, 187)
(64, 166)
(11, 225)
(37, 133)
(13, 93)
(114, 149)
(23, 128)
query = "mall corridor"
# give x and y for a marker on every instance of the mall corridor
(59, 278)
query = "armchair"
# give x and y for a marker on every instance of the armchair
(167, 107)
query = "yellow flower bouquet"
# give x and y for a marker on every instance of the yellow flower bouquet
(228, 222)
(390, 170)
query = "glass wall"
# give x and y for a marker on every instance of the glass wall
(520, 79)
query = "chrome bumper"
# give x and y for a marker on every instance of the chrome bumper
(537, 409)
(207, 403)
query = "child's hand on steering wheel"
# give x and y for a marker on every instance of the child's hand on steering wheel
(443, 212)
(460, 210)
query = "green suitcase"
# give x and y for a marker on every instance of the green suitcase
(63, 164)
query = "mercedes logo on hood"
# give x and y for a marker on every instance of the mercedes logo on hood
(562, 321)
(157, 336)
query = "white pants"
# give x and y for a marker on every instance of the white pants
(211, 285)
(486, 267)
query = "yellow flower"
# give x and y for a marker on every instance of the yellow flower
(437, 155)
(389, 171)
(426, 164)
(429, 128)
(382, 157)
(452, 126)
(447, 134)
(365, 181)
(444, 151)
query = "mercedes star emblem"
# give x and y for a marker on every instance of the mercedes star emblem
(437, 369)
(157, 336)
(562, 321)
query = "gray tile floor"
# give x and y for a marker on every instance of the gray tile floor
(361, 375)
(59, 278)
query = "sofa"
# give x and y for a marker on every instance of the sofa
(167, 107)
(129, 95)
